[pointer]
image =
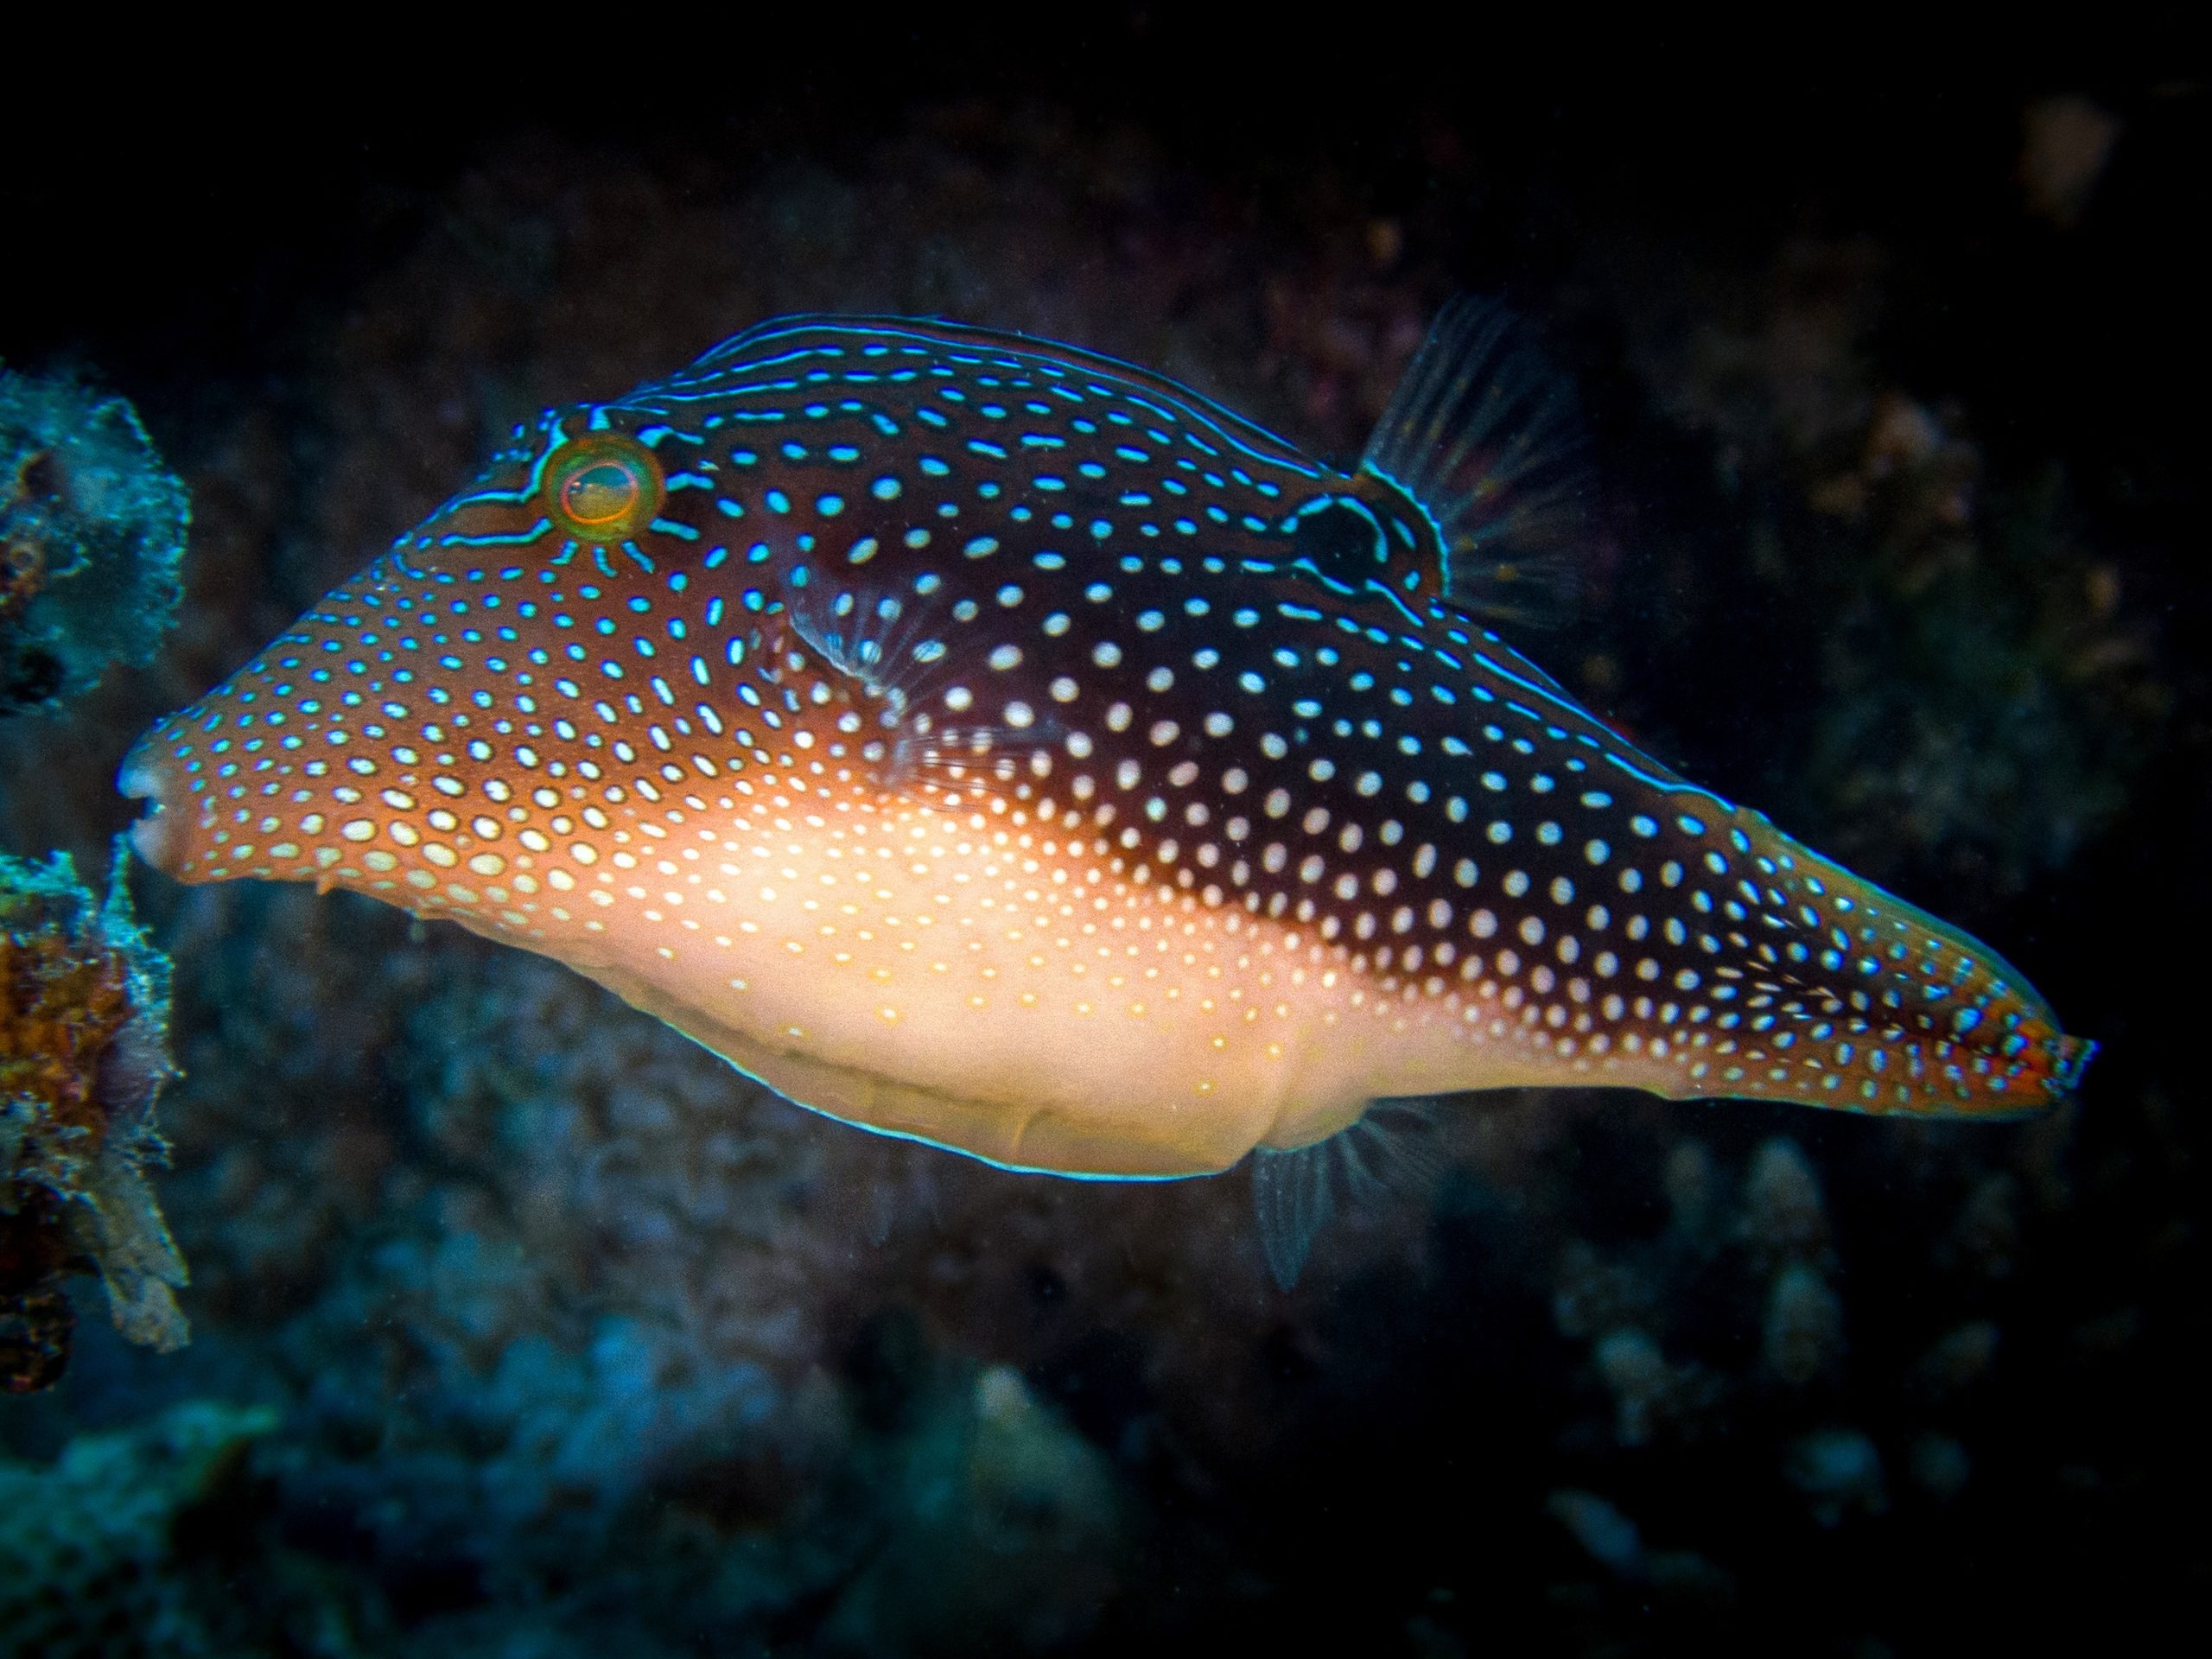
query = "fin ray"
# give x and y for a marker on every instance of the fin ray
(1294, 1191)
(1293, 1199)
(1481, 432)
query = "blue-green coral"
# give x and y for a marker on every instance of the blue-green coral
(91, 530)
(93, 1558)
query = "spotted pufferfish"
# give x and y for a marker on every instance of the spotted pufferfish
(994, 744)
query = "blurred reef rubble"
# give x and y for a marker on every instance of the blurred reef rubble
(119, 1547)
(1980, 697)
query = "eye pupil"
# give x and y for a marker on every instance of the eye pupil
(600, 494)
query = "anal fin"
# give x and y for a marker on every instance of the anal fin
(1294, 1193)
(1292, 1198)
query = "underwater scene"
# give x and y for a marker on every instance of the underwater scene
(1023, 853)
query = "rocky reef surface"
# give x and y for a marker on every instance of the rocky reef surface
(83, 1053)
(523, 1326)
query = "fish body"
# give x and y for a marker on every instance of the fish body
(988, 743)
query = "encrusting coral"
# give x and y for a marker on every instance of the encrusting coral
(91, 530)
(84, 1029)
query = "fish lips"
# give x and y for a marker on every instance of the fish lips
(158, 834)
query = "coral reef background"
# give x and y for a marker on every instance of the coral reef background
(91, 530)
(84, 1052)
(520, 1326)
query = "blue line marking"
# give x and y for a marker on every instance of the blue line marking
(520, 538)
(1664, 785)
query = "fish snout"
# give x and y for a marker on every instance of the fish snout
(151, 772)
(273, 773)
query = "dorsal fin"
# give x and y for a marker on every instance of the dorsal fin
(1483, 435)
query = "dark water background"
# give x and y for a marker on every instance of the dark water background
(1894, 369)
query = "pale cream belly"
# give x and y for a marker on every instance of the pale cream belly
(993, 985)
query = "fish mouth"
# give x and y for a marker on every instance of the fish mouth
(157, 836)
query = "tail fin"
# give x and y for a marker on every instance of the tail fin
(1483, 433)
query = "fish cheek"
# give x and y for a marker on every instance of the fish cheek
(446, 841)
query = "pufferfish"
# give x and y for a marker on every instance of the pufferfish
(990, 743)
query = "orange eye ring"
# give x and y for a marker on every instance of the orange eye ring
(604, 488)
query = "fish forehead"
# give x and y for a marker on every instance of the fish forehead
(808, 368)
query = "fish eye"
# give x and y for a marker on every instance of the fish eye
(604, 488)
(600, 494)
